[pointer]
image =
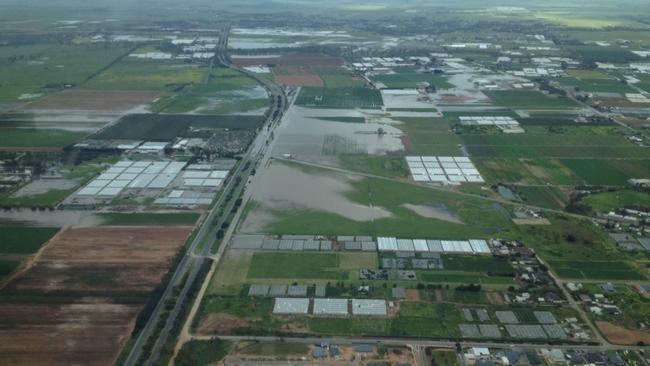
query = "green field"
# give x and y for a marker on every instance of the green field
(611, 201)
(8, 266)
(23, 239)
(135, 74)
(597, 270)
(592, 53)
(429, 136)
(48, 199)
(444, 358)
(574, 143)
(597, 85)
(200, 353)
(34, 138)
(608, 171)
(143, 219)
(463, 278)
(333, 80)
(486, 264)
(339, 97)
(274, 349)
(525, 171)
(382, 165)
(547, 197)
(41, 68)
(296, 266)
(529, 100)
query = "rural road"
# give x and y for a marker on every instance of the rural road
(414, 342)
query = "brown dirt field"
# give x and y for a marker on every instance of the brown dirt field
(620, 335)
(103, 260)
(412, 294)
(495, 298)
(94, 100)
(298, 80)
(87, 271)
(221, 323)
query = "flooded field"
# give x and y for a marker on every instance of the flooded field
(434, 212)
(319, 135)
(308, 191)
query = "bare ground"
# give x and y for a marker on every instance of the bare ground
(620, 335)
(78, 301)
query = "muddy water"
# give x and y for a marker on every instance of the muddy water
(305, 136)
(431, 212)
(285, 187)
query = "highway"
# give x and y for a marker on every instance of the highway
(190, 265)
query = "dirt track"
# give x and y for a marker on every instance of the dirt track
(86, 289)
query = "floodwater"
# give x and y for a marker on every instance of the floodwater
(307, 137)
(289, 32)
(438, 212)
(260, 43)
(67, 218)
(285, 187)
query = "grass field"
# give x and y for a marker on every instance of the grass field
(529, 100)
(274, 349)
(429, 136)
(47, 67)
(296, 266)
(592, 53)
(583, 144)
(200, 353)
(597, 270)
(608, 172)
(34, 138)
(145, 219)
(334, 80)
(579, 249)
(130, 74)
(485, 264)
(427, 320)
(444, 358)
(47, 199)
(598, 85)
(463, 277)
(23, 239)
(339, 97)
(7, 266)
(610, 201)
(548, 197)
(381, 165)
(525, 171)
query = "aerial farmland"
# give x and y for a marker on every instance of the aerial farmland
(368, 184)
